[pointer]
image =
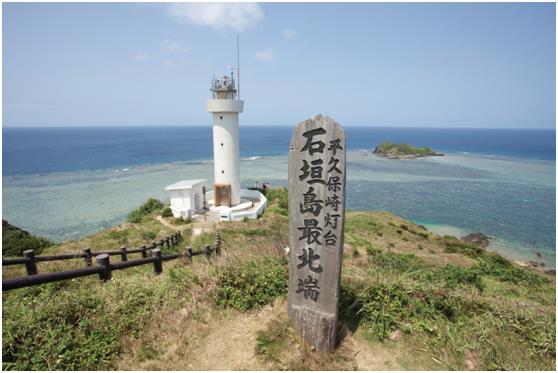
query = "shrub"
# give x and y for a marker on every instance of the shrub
(120, 235)
(50, 339)
(167, 212)
(452, 276)
(456, 275)
(181, 221)
(15, 242)
(502, 269)
(466, 248)
(252, 284)
(383, 306)
(150, 206)
(149, 235)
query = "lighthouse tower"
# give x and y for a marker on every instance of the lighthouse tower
(225, 107)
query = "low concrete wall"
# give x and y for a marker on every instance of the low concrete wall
(232, 215)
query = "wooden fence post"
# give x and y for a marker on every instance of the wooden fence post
(217, 248)
(188, 253)
(143, 251)
(88, 257)
(104, 261)
(124, 253)
(168, 241)
(158, 263)
(30, 264)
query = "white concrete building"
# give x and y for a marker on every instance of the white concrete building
(187, 197)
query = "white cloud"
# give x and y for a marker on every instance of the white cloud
(168, 63)
(288, 34)
(141, 56)
(237, 16)
(265, 55)
(174, 46)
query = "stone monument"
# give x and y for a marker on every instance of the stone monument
(316, 221)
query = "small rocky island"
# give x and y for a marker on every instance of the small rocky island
(403, 151)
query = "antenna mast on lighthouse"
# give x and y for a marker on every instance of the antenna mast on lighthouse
(238, 64)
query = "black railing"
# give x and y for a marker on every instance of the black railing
(103, 266)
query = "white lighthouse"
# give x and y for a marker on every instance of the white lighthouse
(225, 107)
(188, 198)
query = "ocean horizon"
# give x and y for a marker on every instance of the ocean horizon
(65, 183)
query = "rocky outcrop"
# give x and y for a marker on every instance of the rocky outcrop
(477, 238)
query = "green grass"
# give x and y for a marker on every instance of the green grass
(271, 341)
(252, 284)
(79, 325)
(278, 201)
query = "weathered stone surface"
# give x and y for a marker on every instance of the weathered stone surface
(316, 218)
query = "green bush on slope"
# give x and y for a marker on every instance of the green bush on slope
(15, 241)
(150, 206)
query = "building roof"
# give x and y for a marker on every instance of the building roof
(185, 184)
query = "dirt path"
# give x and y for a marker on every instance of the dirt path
(227, 342)
(166, 223)
(230, 344)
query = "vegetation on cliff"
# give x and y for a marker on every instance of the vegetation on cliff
(410, 300)
(16, 240)
(397, 151)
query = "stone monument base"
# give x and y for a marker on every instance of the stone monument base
(318, 329)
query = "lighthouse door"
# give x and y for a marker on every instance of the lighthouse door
(223, 195)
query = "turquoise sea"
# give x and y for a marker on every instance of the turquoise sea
(66, 183)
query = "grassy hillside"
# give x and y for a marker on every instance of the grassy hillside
(410, 300)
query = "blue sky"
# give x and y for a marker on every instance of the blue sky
(434, 65)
